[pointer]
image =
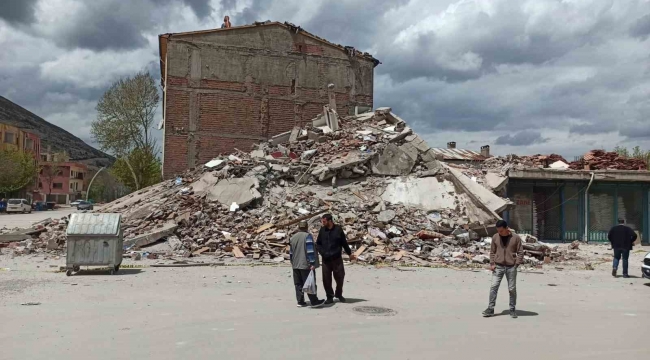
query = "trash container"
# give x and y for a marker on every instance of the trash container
(94, 240)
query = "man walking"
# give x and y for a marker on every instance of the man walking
(506, 254)
(303, 260)
(622, 239)
(331, 240)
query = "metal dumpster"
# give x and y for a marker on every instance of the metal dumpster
(94, 240)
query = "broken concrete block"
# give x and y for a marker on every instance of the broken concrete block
(393, 162)
(386, 216)
(411, 150)
(293, 137)
(401, 136)
(259, 154)
(242, 191)
(418, 142)
(151, 237)
(481, 259)
(280, 138)
(495, 182)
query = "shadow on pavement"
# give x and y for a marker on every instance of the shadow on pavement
(106, 272)
(647, 284)
(352, 301)
(519, 313)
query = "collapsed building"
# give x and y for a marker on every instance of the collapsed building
(227, 89)
(396, 200)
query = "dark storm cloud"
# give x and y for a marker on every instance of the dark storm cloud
(635, 130)
(537, 74)
(522, 138)
(592, 128)
(201, 8)
(506, 36)
(352, 23)
(641, 27)
(17, 11)
(120, 25)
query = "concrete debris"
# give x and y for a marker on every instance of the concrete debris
(495, 181)
(602, 160)
(386, 216)
(395, 200)
(394, 161)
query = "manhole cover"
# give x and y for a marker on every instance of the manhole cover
(374, 310)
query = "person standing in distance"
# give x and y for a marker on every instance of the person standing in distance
(303, 261)
(506, 254)
(622, 239)
(331, 240)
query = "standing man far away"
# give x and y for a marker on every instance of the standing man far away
(622, 238)
(331, 240)
(506, 254)
(303, 260)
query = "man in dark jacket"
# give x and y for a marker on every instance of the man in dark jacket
(622, 239)
(506, 254)
(331, 240)
(303, 261)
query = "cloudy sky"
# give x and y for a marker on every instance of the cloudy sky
(525, 76)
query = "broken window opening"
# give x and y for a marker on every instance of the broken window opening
(293, 86)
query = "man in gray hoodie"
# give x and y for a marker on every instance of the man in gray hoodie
(303, 260)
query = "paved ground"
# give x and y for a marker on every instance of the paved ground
(13, 220)
(237, 312)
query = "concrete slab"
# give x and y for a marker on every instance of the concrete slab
(149, 238)
(496, 182)
(486, 197)
(418, 142)
(242, 191)
(424, 193)
(393, 162)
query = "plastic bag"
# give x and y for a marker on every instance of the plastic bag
(310, 284)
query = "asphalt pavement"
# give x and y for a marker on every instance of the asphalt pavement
(239, 312)
(20, 220)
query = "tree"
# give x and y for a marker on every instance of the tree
(146, 165)
(50, 172)
(125, 115)
(18, 169)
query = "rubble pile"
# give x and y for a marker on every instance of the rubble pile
(602, 160)
(396, 202)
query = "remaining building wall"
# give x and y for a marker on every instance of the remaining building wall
(231, 89)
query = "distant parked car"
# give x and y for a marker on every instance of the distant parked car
(75, 203)
(19, 205)
(645, 268)
(84, 205)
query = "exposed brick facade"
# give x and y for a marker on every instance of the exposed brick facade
(223, 95)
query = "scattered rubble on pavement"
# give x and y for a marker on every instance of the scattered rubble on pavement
(397, 202)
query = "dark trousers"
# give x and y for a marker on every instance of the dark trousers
(625, 254)
(335, 267)
(299, 279)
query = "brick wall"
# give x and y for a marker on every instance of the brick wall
(231, 114)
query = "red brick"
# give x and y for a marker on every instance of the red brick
(176, 81)
(281, 116)
(175, 158)
(209, 147)
(230, 114)
(223, 85)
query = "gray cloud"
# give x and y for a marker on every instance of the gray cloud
(636, 130)
(641, 27)
(201, 8)
(522, 138)
(18, 11)
(535, 75)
